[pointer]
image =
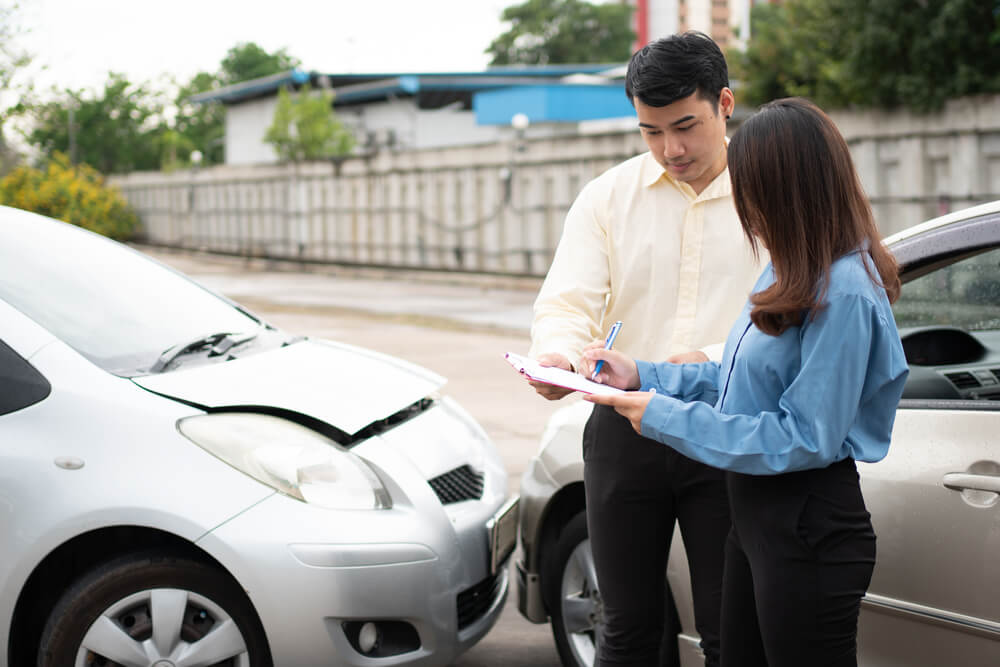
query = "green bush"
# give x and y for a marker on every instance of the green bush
(74, 194)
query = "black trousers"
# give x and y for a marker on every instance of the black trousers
(636, 489)
(798, 561)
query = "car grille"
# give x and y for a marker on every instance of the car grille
(476, 601)
(454, 486)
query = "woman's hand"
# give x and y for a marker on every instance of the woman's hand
(618, 370)
(630, 405)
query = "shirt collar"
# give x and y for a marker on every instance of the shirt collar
(652, 171)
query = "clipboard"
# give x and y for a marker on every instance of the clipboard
(557, 376)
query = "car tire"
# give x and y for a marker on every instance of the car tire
(571, 595)
(574, 602)
(107, 617)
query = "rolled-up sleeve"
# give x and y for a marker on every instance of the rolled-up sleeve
(568, 308)
(841, 368)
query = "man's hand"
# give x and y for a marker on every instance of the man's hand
(549, 391)
(630, 405)
(692, 357)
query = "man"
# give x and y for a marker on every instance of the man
(656, 243)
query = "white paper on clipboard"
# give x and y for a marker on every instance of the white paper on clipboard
(557, 376)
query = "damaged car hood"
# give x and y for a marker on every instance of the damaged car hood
(345, 386)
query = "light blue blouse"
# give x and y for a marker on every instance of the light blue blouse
(816, 394)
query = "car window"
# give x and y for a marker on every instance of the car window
(21, 384)
(965, 294)
(115, 306)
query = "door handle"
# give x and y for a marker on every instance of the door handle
(963, 481)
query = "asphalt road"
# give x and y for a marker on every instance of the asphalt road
(458, 328)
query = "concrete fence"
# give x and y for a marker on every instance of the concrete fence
(499, 208)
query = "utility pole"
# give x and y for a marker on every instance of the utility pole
(72, 135)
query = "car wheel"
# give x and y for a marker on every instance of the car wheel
(572, 596)
(148, 609)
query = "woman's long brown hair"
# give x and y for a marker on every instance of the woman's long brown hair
(797, 193)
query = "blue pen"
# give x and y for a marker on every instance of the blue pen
(608, 342)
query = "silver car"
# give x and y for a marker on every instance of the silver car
(183, 484)
(935, 596)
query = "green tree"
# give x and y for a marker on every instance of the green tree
(920, 54)
(247, 61)
(563, 31)
(196, 126)
(306, 128)
(115, 130)
(871, 53)
(202, 126)
(14, 88)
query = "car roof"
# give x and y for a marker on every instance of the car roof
(944, 221)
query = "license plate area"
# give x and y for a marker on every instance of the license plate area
(502, 530)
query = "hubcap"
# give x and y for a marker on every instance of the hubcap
(582, 609)
(158, 628)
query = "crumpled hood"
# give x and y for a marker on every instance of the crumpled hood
(345, 386)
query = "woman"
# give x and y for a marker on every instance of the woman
(812, 372)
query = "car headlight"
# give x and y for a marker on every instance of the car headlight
(290, 458)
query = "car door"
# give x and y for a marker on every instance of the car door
(935, 500)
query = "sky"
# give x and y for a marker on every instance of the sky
(75, 43)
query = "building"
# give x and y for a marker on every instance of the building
(400, 111)
(725, 21)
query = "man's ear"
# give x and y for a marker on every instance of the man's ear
(727, 102)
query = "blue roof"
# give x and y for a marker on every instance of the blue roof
(562, 103)
(354, 88)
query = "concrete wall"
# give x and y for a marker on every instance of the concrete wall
(499, 207)
(915, 167)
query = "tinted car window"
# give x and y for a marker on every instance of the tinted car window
(115, 306)
(965, 294)
(21, 384)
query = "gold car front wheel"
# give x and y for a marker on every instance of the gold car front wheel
(572, 595)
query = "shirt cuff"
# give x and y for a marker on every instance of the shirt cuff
(657, 415)
(647, 375)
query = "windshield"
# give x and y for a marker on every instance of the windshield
(115, 306)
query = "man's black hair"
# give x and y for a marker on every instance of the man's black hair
(674, 67)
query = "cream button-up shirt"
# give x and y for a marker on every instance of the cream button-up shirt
(643, 248)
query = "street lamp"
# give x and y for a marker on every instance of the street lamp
(195, 158)
(520, 123)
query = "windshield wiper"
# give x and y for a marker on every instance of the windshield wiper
(218, 344)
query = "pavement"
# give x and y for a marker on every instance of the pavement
(455, 300)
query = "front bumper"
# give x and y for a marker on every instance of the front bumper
(529, 595)
(308, 589)
(537, 489)
(420, 571)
